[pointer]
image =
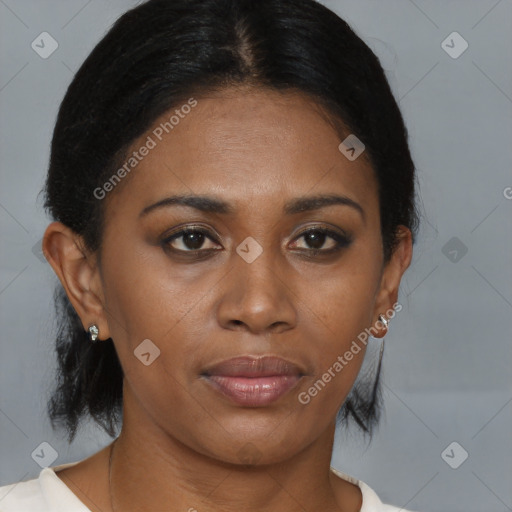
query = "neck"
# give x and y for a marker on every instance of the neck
(150, 470)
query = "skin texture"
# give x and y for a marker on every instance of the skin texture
(181, 441)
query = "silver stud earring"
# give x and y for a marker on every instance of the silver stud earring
(93, 332)
(383, 320)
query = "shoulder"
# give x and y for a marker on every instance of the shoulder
(371, 501)
(46, 493)
(21, 496)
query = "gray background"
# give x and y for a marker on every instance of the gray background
(448, 358)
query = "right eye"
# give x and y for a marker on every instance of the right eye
(190, 239)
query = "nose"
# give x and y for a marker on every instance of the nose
(256, 297)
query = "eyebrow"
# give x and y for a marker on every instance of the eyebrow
(304, 204)
(209, 204)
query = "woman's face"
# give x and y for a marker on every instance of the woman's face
(255, 276)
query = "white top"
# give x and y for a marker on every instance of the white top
(48, 493)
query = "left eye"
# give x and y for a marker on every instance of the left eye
(316, 238)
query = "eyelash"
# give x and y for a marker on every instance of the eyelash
(342, 241)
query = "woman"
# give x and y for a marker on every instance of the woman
(233, 202)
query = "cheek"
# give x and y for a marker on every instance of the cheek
(146, 295)
(338, 307)
(340, 300)
(160, 309)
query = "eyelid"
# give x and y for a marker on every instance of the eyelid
(329, 231)
(186, 228)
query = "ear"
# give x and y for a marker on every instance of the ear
(78, 271)
(387, 295)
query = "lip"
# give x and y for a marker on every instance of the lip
(253, 381)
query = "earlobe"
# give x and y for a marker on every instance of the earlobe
(78, 272)
(400, 260)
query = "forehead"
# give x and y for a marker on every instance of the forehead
(243, 144)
